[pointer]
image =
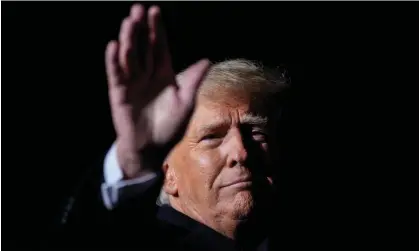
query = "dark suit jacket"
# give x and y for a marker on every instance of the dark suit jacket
(137, 224)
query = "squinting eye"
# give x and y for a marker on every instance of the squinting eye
(209, 136)
(259, 136)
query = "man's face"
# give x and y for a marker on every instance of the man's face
(222, 165)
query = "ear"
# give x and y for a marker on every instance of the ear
(170, 180)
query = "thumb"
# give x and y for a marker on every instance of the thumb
(190, 80)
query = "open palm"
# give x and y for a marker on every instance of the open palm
(149, 103)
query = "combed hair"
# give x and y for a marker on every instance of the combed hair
(246, 75)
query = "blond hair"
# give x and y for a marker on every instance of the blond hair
(245, 75)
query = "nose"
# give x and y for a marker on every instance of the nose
(237, 153)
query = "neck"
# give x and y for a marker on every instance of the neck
(220, 223)
(248, 232)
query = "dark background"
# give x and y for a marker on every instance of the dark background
(350, 65)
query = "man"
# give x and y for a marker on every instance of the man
(204, 140)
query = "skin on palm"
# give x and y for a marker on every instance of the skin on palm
(149, 103)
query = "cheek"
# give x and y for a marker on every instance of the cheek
(209, 164)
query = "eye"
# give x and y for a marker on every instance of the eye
(210, 137)
(259, 136)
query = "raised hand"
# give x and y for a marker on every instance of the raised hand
(149, 104)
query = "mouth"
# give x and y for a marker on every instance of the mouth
(244, 182)
(241, 184)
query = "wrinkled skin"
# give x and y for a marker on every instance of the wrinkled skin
(226, 141)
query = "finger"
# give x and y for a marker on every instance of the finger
(125, 45)
(190, 80)
(161, 78)
(128, 37)
(138, 39)
(188, 83)
(137, 11)
(153, 17)
(113, 70)
(137, 17)
(158, 41)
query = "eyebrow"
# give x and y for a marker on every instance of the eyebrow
(247, 119)
(252, 119)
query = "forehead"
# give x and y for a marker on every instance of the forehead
(224, 110)
(221, 105)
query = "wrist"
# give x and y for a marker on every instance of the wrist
(138, 162)
(129, 159)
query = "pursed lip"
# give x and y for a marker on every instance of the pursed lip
(244, 180)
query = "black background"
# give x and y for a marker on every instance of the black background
(341, 136)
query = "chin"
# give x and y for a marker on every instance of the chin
(242, 205)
